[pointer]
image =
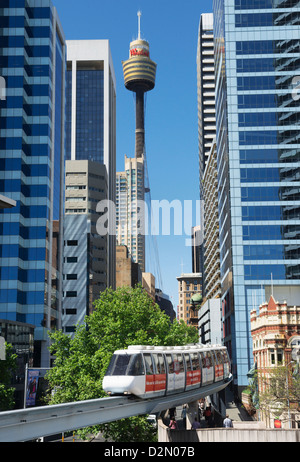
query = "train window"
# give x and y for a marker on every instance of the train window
(225, 356)
(219, 357)
(120, 365)
(209, 358)
(188, 362)
(111, 365)
(180, 362)
(148, 363)
(202, 360)
(195, 361)
(170, 364)
(136, 366)
(159, 363)
(162, 364)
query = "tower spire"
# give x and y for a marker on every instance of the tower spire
(139, 13)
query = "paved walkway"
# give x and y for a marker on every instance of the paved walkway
(237, 412)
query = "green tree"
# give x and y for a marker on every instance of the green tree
(123, 317)
(7, 367)
(281, 390)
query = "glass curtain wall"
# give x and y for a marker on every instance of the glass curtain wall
(258, 140)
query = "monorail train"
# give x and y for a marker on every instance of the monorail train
(147, 371)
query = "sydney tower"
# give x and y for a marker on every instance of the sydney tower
(139, 76)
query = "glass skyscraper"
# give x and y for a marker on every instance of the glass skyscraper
(91, 125)
(32, 62)
(257, 46)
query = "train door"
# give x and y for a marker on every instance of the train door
(179, 371)
(219, 367)
(175, 373)
(170, 374)
(207, 367)
(160, 377)
(188, 372)
(149, 382)
(196, 366)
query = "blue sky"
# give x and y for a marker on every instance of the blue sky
(171, 28)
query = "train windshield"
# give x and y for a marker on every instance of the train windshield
(126, 365)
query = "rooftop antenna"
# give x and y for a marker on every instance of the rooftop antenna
(139, 13)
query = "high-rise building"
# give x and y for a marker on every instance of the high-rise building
(189, 284)
(32, 121)
(256, 60)
(205, 89)
(85, 251)
(211, 226)
(206, 115)
(91, 121)
(130, 210)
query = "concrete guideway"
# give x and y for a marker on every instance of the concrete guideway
(29, 424)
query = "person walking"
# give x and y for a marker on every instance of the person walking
(173, 424)
(196, 424)
(183, 416)
(227, 422)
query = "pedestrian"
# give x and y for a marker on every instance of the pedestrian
(183, 416)
(207, 413)
(196, 424)
(227, 422)
(173, 424)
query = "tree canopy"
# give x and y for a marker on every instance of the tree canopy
(127, 316)
(7, 368)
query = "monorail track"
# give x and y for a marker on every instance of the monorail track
(29, 424)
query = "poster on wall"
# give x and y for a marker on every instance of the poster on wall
(32, 384)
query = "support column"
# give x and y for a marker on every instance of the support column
(191, 414)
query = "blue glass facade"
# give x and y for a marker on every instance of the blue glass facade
(32, 63)
(258, 145)
(89, 113)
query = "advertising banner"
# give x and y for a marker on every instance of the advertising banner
(32, 384)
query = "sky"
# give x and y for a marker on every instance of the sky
(171, 28)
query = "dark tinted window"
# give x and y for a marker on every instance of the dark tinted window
(136, 365)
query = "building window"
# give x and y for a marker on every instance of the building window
(72, 243)
(71, 277)
(71, 293)
(70, 311)
(71, 259)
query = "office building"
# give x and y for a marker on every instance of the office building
(205, 89)
(85, 266)
(211, 227)
(91, 121)
(130, 212)
(206, 114)
(256, 60)
(275, 330)
(189, 284)
(33, 64)
(128, 273)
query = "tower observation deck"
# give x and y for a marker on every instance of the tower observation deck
(139, 77)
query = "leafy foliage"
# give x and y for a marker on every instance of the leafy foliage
(7, 367)
(281, 389)
(124, 317)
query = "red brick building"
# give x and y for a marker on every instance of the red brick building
(275, 331)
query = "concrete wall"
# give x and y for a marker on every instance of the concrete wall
(243, 433)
